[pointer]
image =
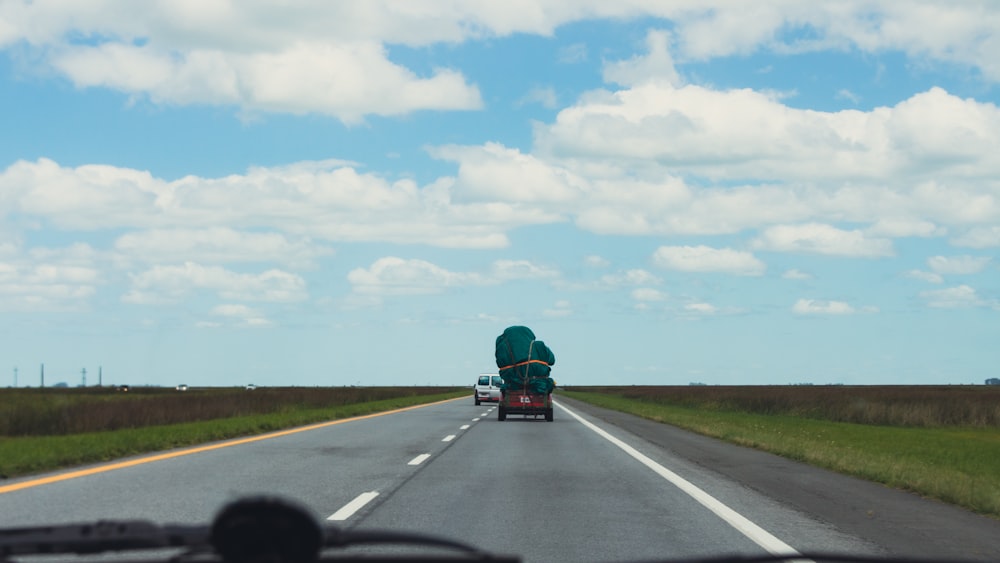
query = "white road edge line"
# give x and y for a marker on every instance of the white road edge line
(463, 427)
(355, 505)
(758, 535)
(419, 459)
(448, 438)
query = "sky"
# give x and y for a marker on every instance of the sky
(368, 192)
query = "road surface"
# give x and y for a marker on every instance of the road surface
(593, 485)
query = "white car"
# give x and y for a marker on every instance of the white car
(488, 388)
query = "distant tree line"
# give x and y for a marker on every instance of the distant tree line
(993, 381)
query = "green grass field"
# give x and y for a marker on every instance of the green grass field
(45, 429)
(956, 463)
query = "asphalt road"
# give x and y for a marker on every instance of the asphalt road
(593, 485)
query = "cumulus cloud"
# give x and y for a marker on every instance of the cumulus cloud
(979, 237)
(327, 200)
(543, 96)
(497, 173)
(397, 276)
(794, 274)
(702, 308)
(820, 307)
(668, 147)
(648, 294)
(48, 279)
(560, 309)
(392, 275)
(959, 297)
(595, 261)
(707, 259)
(237, 315)
(929, 277)
(633, 277)
(815, 238)
(330, 57)
(503, 270)
(740, 134)
(960, 265)
(169, 284)
(217, 245)
(654, 66)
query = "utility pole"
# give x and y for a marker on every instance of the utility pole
(100, 376)
(15, 376)
(43, 375)
(83, 373)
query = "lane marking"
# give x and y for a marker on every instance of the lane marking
(463, 427)
(475, 420)
(485, 414)
(755, 533)
(448, 438)
(355, 505)
(199, 449)
(419, 459)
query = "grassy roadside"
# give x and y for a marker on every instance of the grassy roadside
(33, 454)
(954, 464)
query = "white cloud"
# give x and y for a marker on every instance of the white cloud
(499, 174)
(979, 237)
(632, 277)
(706, 259)
(845, 94)
(648, 294)
(397, 276)
(239, 315)
(958, 265)
(929, 277)
(701, 308)
(217, 245)
(794, 274)
(815, 238)
(327, 200)
(820, 307)
(343, 80)
(44, 279)
(330, 57)
(594, 261)
(958, 297)
(545, 97)
(922, 168)
(655, 66)
(902, 227)
(740, 134)
(169, 284)
(573, 54)
(521, 270)
(561, 309)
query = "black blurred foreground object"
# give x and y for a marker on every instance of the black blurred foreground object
(273, 530)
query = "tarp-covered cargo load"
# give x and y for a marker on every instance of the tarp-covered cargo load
(524, 361)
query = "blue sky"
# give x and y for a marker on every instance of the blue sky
(366, 192)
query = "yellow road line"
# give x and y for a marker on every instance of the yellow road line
(198, 449)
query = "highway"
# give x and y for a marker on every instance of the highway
(593, 485)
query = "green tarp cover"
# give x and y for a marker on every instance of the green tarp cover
(524, 361)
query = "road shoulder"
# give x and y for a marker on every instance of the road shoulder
(899, 521)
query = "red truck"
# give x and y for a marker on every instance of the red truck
(524, 402)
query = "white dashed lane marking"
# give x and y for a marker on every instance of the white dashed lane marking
(419, 459)
(355, 505)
